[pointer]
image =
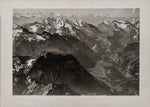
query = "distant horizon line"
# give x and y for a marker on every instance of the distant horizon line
(75, 15)
(128, 12)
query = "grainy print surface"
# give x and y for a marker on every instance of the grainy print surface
(76, 51)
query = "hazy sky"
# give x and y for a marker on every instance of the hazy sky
(67, 12)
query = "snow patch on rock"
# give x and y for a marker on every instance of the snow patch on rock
(33, 28)
(94, 48)
(39, 38)
(29, 62)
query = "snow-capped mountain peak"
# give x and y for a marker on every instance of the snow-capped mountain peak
(58, 24)
(80, 23)
(30, 15)
(120, 24)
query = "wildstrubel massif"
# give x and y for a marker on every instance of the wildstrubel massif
(58, 56)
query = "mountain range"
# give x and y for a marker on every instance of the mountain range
(100, 48)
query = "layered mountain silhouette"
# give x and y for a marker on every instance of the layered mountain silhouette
(89, 59)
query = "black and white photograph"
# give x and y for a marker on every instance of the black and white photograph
(76, 52)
